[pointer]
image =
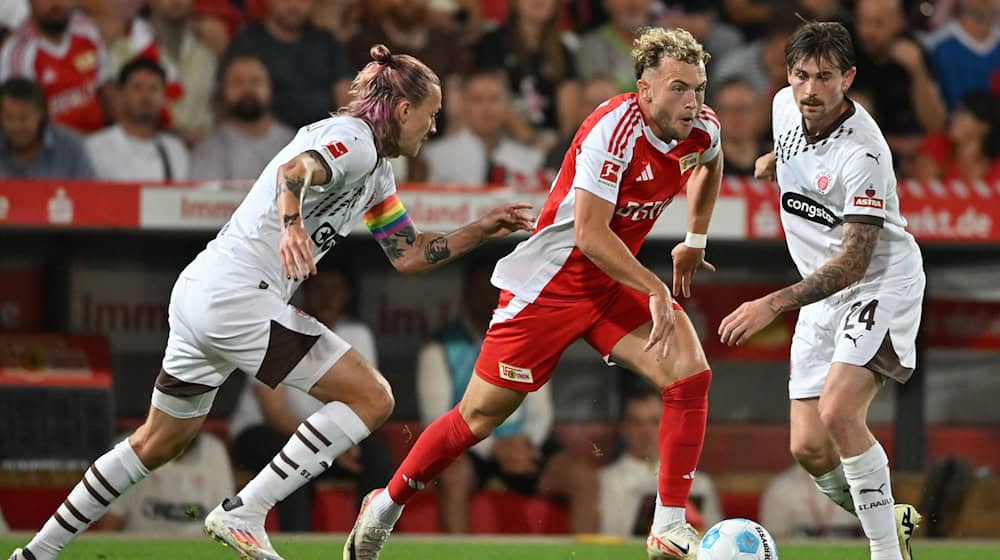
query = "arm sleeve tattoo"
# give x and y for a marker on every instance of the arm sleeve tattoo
(437, 250)
(859, 241)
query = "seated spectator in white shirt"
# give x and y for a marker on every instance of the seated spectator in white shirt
(31, 147)
(793, 507)
(135, 149)
(628, 485)
(481, 153)
(249, 136)
(176, 497)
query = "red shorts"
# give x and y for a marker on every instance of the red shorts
(526, 339)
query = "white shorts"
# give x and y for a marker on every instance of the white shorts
(216, 329)
(872, 326)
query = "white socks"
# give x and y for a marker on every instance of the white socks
(666, 517)
(106, 480)
(868, 475)
(384, 509)
(834, 485)
(320, 439)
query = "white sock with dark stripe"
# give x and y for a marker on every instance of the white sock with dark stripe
(105, 480)
(320, 439)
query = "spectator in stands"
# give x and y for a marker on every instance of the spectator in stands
(970, 150)
(405, 26)
(264, 419)
(12, 16)
(176, 498)
(761, 63)
(752, 17)
(481, 153)
(30, 147)
(965, 52)
(136, 149)
(701, 19)
(793, 507)
(310, 71)
(606, 50)
(60, 49)
(595, 90)
(895, 69)
(519, 453)
(244, 142)
(628, 485)
(214, 22)
(167, 36)
(739, 109)
(541, 70)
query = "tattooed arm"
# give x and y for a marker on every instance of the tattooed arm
(305, 169)
(859, 241)
(411, 251)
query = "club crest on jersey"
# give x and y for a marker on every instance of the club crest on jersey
(823, 183)
(807, 208)
(689, 161)
(609, 172)
(515, 374)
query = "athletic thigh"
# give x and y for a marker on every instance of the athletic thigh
(685, 356)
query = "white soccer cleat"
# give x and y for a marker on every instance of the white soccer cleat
(368, 536)
(679, 543)
(907, 521)
(22, 554)
(234, 525)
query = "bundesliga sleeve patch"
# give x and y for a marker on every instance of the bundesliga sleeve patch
(336, 149)
(610, 172)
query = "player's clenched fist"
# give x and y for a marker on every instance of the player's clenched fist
(296, 249)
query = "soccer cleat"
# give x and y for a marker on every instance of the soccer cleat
(907, 521)
(679, 543)
(22, 554)
(237, 527)
(368, 536)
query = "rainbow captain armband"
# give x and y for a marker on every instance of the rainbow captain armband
(387, 218)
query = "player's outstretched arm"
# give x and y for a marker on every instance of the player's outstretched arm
(859, 241)
(702, 192)
(593, 236)
(295, 246)
(411, 251)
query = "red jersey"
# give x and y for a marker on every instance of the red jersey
(615, 156)
(69, 72)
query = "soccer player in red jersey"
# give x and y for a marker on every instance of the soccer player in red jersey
(577, 277)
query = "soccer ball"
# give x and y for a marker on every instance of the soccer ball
(737, 539)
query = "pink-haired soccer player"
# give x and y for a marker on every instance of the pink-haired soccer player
(229, 308)
(578, 277)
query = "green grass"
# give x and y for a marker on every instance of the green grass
(313, 548)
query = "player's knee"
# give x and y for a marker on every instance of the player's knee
(381, 401)
(813, 456)
(157, 447)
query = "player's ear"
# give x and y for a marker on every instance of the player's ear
(644, 90)
(402, 110)
(849, 78)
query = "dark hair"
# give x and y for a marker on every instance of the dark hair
(821, 40)
(139, 64)
(985, 107)
(553, 64)
(380, 85)
(639, 394)
(23, 89)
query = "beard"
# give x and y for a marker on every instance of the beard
(247, 108)
(53, 24)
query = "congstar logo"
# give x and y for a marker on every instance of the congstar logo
(807, 208)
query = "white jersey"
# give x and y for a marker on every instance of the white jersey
(246, 248)
(844, 176)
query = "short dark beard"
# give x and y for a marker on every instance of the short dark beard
(53, 25)
(247, 109)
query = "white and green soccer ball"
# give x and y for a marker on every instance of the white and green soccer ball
(737, 539)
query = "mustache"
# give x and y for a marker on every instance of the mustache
(813, 101)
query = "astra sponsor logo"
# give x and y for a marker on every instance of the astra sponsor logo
(643, 210)
(878, 503)
(807, 208)
(865, 202)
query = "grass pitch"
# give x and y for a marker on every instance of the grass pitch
(102, 547)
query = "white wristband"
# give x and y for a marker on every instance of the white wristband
(696, 240)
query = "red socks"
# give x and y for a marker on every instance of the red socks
(682, 434)
(437, 447)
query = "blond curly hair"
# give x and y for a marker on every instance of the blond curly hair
(653, 43)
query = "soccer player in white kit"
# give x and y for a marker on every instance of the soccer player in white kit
(862, 285)
(229, 308)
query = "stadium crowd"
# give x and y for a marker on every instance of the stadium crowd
(211, 89)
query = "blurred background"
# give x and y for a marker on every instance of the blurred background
(130, 130)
